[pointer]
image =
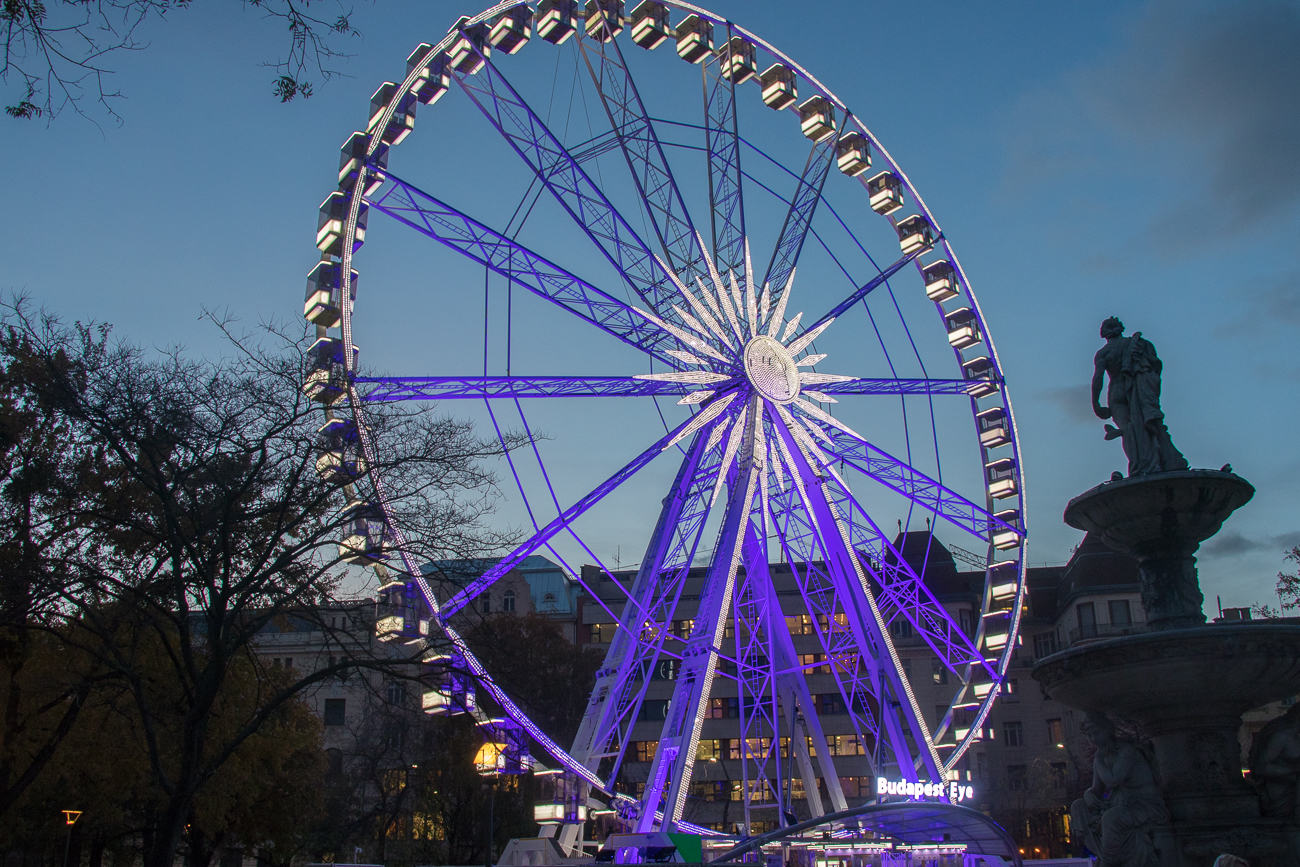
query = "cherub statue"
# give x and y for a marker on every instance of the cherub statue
(1134, 400)
(1118, 811)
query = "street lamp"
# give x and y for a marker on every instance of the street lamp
(504, 752)
(70, 818)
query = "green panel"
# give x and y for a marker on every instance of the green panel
(689, 847)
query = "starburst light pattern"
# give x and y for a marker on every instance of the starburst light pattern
(746, 364)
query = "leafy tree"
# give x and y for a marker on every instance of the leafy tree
(1288, 583)
(206, 521)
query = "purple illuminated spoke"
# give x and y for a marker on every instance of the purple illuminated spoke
(393, 388)
(913, 484)
(645, 158)
(560, 524)
(560, 172)
(864, 290)
(798, 220)
(462, 233)
(722, 135)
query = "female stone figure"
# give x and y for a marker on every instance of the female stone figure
(1134, 400)
(1117, 826)
(1275, 765)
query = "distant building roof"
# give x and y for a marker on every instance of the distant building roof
(549, 586)
(1096, 568)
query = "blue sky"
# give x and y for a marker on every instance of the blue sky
(1136, 159)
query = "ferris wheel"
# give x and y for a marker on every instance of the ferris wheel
(761, 257)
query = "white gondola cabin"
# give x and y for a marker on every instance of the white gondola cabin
(401, 124)
(363, 534)
(694, 38)
(1001, 478)
(915, 234)
(780, 86)
(1003, 578)
(352, 156)
(340, 461)
(650, 24)
(982, 376)
(470, 49)
(886, 191)
(325, 382)
(817, 118)
(604, 19)
(561, 798)
(324, 289)
(963, 328)
(556, 20)
(1006, 538)
(511, 30)
(993, 426)
(506, 749)
(738, 63)
(940, 281)
(432, 82)
(329, 225)
(853, 154)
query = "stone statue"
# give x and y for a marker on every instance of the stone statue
(1134, 400)
(1119, 810)
(1275, 765)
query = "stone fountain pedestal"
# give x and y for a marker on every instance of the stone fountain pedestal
(1184, 683)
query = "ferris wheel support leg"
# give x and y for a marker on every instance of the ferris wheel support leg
(614, 701)
(791, 689)
(865, 615)
(680, 735)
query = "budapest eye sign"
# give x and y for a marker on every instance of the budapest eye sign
(952, 792)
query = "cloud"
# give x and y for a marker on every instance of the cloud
(1274, 303)
(1232, 544)
(1206, 95)
(1075, 401)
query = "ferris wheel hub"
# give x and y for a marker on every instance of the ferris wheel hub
(771, 370)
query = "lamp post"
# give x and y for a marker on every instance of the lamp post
(488, 763)
(70, 818)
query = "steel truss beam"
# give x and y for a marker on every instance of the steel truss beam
(561, 174)
(913, 484)
(722, 139)
(760, 727)
(670, 772)
(864, 618)
(645, 158)
(462, 233)
(393, 388)
(561, 523)
(798, 220)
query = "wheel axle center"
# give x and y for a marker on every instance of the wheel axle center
(771, 370)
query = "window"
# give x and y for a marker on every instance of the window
(981, 766)
(645, 750)
(548, 602)
(1055, 733)
(1011, 689)
(397, 693)
(967, 623)
(654, 710)
(1013, 734)
(682, 628)
(845, 745)
(809, 662)
(335, 709)
(907, 668)
(1058, 775)
(485, 604)
(900, 629)
(1017, 777)
(1120, 613)
(603, 633)
(1044, 644)
(940, 671)
(830, 703)
(799, 624)
(1087, 620)
(856, 787)
(508, 601)
(724, 708)
(665, 669)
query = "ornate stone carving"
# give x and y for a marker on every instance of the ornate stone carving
(1134, 400)
(1275, 766)
(1119, 811)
